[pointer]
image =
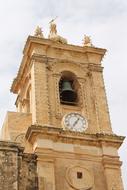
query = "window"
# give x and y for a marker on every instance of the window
(79, 175)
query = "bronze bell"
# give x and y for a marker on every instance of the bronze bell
(67, 93)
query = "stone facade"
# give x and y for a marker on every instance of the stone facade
(18, 170)
(53, 158)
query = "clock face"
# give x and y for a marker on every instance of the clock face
(75, 122)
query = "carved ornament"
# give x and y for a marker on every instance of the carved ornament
(20, 138)
(86, 180)
(87, 41)
(53, 34)
(82, 138)
(38, 32)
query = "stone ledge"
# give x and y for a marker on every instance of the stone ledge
(60, 135)
(48, 42)
(6, 145)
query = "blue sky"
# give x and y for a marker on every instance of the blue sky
(104, 21)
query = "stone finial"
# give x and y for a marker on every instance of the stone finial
(53, 33)
(87, 41)
(53, 30)
(38, 32)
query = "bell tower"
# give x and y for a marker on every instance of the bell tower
(62, 115)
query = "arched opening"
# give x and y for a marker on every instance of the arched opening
(68, 87)
(28, 100)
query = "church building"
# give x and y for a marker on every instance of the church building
(60, 137)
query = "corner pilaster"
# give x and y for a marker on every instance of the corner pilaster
(40, 103)
(112, 173)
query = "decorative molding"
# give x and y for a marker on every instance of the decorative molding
(57, 77)
(95, 67)
(67, 136)
(20, 138)
(85, 183)
(39, 58)
(111, 162)
(94, 95)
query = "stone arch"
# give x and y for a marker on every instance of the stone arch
(69, 88)
(75, 68)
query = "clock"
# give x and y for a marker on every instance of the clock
(75, 122)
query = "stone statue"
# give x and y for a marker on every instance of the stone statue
(53, 30)
(87, 41)
(38, 32)
(53, 33)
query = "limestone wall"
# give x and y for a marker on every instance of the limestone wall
(17, 170)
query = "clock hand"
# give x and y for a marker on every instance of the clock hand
(75, 122)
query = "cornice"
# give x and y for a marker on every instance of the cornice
(58, 134)
(69, 47)
(43, 59)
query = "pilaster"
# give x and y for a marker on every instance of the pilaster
(100, 99)
(39, 85)
(46, 172)
(112, 173)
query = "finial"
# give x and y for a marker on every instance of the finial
(87, 41)
(38, 32)
(53, 30)
(53, 33)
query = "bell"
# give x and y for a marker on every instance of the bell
(67, 93)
